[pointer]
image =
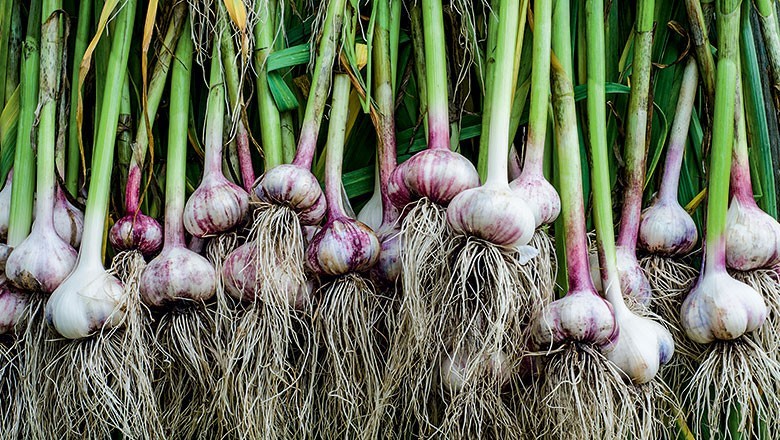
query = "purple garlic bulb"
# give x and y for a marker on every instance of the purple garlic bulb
(42, 261)
(177, 274)
(752, 237)
(437, 174)
(5, 206)
(216, 206)
(342, 246)
(68, 220)
(633, 282)
(539, 195)
(388, 267)
(294, 187)
(720, 307)
(581, 315)
(666, 229)
(137, 231)
(12, 304)
(244, 279)
(492, 213)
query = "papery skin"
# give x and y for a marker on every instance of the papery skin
(85, 302)
(640, 349)
(752, 237)
(5, 206)
(68, 220)
(243, 282)
(12, 305)
(217, 205)
(721, 308)
(137, 231)
(342, 246)
(633, 282)
(580, 316)
(294, 187)
(177, 274)
(41, 262)
(492, 213)
(436, 174)
(666, 229)
(540, 197)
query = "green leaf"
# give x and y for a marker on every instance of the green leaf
(8, 122)
(290, 57)
(283, 96)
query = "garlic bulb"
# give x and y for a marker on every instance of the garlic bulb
(86, 301)
(42, 261)
(5, 206)
(217, 205)
(633, 282)
(580, 316)
(177, 274)
(371, 214)
(137, 231)
(752, 236)
(342, 246)
(666, 228)
(720, 307)
(68, 220)
(388, 268)
(641, 347)
(438, 174)
(493, 213)
(294, 187)
(12, 305)
(539, 195)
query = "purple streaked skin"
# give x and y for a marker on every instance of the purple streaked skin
(388, 268)
(217, 206)
(437, 174)
(136, 230)
(752, 236)
(718, 306)
(244, 157)
(294, 187)
(531, 186)
(633, 282)
(492, 213)
(12, 304)
(68, 220)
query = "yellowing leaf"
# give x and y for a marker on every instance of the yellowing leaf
(237, 12)
(361, 55)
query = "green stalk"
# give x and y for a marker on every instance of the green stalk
(49, 73)
(154, 94)
(395, 35)
(103, 153)
(767, 17)
(755, 113)
(14, 52)
(20, 218)
(487, 99)
(497, 166)
(597, 120)
(288, 137)
(638, 126)
(436, 74)
(561, 38)
(540, 86)
(240, 142)
(100, 57)
(5, 27)
(270, 123)
(723, 132)
(701, 47)
(384, 95)
(124, 139)
(176, 162)
(82, 40)
(418, 44)
(334, 150)
(320, 83)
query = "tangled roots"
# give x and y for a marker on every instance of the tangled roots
(346, 324)
(734, 390)
(187, 372)
(767, 283)
(407, 381)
